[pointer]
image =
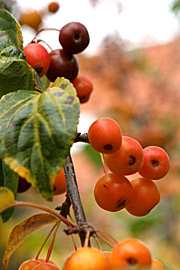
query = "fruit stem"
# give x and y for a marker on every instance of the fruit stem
(52, 242)
(52, 229)
(41, 40)
(103, 163)
(44, 29)
(106, 241)
(107, 235)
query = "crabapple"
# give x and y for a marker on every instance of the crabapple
(156, 265)
(156, 163)
(146, 196)
(130, 253)
(46, 266)
(84, 88)
(113, 192)
(53, 7)
(62, 64)
(74, 37)
(105, 135)
(86, 258)
(29, 264)
(23, 185)
(59, 185)
(38, 57)
(128, 159)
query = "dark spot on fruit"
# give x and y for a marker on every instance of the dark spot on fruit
(132, 160)
(155, 163)
(105, 186)
(132, 261)
(39, 70)
(108, 147)
(77, 37)
(69, 100)
(120, 204)
(63, 86)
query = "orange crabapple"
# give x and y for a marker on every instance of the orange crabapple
(105, 135)
(29, 264)
(59, 186)
(46, 266)
(146, 196)
(128, 159)
(156, 265)
(86, 258)
(156, 163)
(84, 88)
(130, 253)
(113, 192)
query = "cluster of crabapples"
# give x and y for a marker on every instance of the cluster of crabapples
(62, 62)
(124, 157)
(130, 253)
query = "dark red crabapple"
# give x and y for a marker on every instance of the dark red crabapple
(156, 163)
(74, 37)
(23, 185)
(38, 57)
(62, 64)
(105, 135)
(128, 159)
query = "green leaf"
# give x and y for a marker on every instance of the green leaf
(23, 230)
(9, 24)
(1, 174)
(17, 74)
(37, 131)
(6, 197)
(11, 182)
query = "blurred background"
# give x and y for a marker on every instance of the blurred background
(133, 60)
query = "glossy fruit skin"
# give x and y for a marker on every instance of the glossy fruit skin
(113, 192)
(105, 135)
(86, 258)
(59, 186)
(29, 264)
(156, 163)
(146, 196)
(128, 159)
(130, 253)
(62, 64)
(38, 57)
(23, 185)
(53, 7)
(156, 265)
(46, 266)
(84, 88)
(74, 37)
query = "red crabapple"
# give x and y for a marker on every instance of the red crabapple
(38, 57)
(84, 88)
(128, 159)
(105, 135)
(156, 163)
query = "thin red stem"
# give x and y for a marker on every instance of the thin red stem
(44, 29)
(103, 163)
(52, 242)
(52, 229)
(43, 208)
(107, 235)
(41, 40)
(106, 241)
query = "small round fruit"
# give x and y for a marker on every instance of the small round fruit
(156, 163)
(113, 192)
(105, 135)
(38, 57)
(146, 196)
(29, 264)
(59, 186)
(130, 253)
(128, 159)
(74, 37)
(84, 88)
(53, 7)
(46, 266)
(62, 64)
(23, 185)
(156, 265)
(86, 258)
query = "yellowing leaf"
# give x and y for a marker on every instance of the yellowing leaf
(23, 230)
(6, 197)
